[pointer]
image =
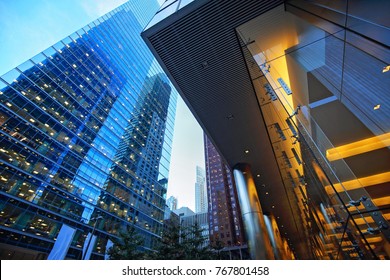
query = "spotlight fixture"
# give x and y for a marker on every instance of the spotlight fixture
(383, 225)
(296, 139)
(356, 203)
(295, 112)
(373, 231)
(302, 180)
(265, 67)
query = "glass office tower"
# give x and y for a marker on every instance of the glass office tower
(86, 135)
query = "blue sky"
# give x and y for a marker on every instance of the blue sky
(28, 27)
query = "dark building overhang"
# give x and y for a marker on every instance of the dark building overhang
(199, 49)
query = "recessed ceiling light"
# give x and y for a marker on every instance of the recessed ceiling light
(377, 107)
(273, 206)
(258, 175)
(266, 192)
(246, 151)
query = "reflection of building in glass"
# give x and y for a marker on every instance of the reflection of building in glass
(294, 95)
(200, 191)
(225, 221)
(86, 133)
(171, 220)
(172, 203)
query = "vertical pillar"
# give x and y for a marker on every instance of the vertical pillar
(274, 236)
(252, 214)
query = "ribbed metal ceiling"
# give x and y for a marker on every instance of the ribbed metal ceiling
(199, 49)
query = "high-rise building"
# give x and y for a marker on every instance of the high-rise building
(200, 191)
(294, 95)
(199, 219)
(188, 219)
(86, 134)
(184, 211)
(172, 203)
(226, 228)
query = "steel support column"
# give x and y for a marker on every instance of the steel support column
(252, 215)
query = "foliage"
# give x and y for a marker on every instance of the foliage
(177, 243)
(128, 246)
(217, 247)
(169, 247)
(183, 243)
(196, 245)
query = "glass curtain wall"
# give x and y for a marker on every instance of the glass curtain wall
(320, 72)
(86, 132)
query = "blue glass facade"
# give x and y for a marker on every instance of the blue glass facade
(86, 131)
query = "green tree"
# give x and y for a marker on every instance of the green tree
(170, 247)
(177, 243)
(217, 247)
(195, 244)
(128, 246)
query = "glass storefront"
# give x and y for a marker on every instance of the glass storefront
(319, 71)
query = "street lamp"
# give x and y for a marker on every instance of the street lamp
(93, 231)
